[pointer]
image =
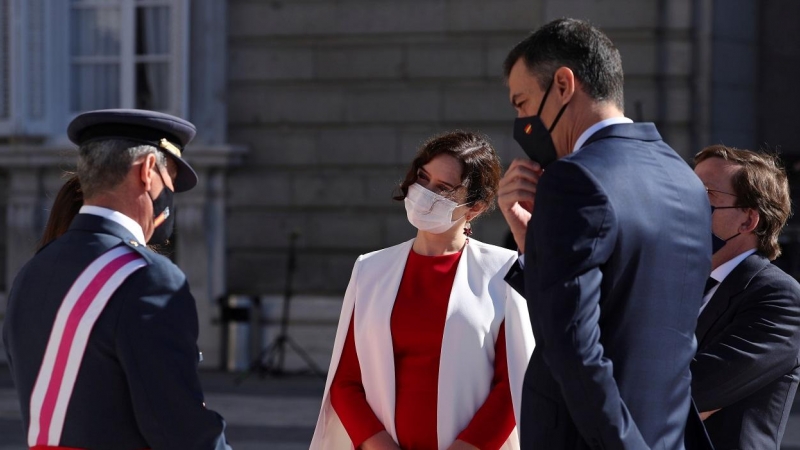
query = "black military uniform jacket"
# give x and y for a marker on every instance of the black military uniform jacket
(130, 380)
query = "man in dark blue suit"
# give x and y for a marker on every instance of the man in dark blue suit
(101, 332)
(745, 373)
(616, 253)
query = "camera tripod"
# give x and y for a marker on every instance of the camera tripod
(272, 358)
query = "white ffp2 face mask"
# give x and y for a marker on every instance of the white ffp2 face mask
(429, 211)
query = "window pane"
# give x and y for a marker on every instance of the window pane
(152, 86)
(153, 30)
(94, 86)
(95, 31)
(4, 58)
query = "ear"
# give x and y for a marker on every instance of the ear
(750, 225)
(477, 209)
(564, 84)
(146, 171)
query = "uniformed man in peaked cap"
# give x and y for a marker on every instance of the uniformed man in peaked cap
(101, 332)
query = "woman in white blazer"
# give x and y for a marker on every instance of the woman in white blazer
(432, 344)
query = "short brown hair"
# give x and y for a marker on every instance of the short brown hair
(480, 165)
(760, 184)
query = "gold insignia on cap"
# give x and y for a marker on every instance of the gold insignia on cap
(170, 147)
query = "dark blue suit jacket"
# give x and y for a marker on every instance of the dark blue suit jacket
(617, 254)
(747, 358)
(137, 386)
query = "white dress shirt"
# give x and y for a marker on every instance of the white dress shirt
(722, 272)
(116, 216)
(597, 127)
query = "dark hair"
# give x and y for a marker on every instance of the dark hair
(760, 184)
(66, 205)
(575, 44)
(480, 166)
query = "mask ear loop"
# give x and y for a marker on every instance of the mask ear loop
(550, 130)
(544, 99)
(541, 106)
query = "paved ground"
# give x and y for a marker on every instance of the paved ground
(262, 413)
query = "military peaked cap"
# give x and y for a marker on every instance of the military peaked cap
(168, 133)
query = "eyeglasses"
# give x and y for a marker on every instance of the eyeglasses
(444, 190)
(714, 208)
(720, 192)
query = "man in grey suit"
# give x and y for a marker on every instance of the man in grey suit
(615, 255)
(745, 373)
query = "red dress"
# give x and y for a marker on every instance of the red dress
(417, 327)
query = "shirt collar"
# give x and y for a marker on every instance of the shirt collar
(721, 272)
(597, 127)
(116, 216)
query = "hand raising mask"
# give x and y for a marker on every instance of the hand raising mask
(516, 196)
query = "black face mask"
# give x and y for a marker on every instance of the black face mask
(534, 138)
(717, 242)
(163, 215)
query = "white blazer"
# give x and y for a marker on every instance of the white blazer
(480, 301)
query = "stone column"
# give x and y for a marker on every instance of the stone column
(201, 238)
(31, 172)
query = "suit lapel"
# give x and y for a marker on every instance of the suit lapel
(733, 284)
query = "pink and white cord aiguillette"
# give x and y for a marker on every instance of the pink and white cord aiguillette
(75, 319)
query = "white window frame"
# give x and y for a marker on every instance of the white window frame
(5, 53)
(55, 81)
(28, 47)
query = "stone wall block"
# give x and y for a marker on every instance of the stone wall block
(256, 63)
(328, 188)
(679, 57)
(257, 188)
(357, 146)
(477, 103)
(496, 15)
(264, 230)
(638, 57)
(269, 147)
(251, 272)
(393, 105)
(382, 186)
(605, 14)
(446, 60)
(359, 62)
(293, 18)
(255, 105)
(356, 230)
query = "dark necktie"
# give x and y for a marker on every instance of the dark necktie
(710, 283)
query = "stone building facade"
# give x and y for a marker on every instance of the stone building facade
(309, 112)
